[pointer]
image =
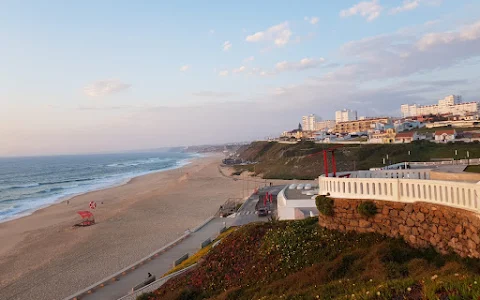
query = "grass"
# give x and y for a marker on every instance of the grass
(300, 260)
(305, 160)
(472, 169)
(200, 254)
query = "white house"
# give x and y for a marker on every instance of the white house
(445, 136)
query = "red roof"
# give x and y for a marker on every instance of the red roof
(405, 134)
(446, 131)
(85, 214)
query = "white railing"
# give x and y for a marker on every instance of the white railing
(454, 194)
(397, 173)
(407, 173)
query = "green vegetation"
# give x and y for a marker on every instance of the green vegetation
(472, 169)
(301, 260)
(200, 254)
(324, 205)
(305, 159)
(367, 209)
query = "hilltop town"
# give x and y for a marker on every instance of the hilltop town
(451, 120)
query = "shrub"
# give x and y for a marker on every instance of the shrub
(367, 209)
(324, 205)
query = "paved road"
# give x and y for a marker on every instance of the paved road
(163, 262)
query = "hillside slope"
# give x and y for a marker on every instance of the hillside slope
(301, 260)
(295, 161)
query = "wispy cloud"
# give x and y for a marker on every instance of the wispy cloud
(211, 32)
(303, 64)
(467, 33)
(184, 68)
(368, 9)
(212, 94)
(248, 59)
(226, 46)
(406, 6)
(312, 20)
(279, 34)
(239, 70)
(105, 87)
(223, 73)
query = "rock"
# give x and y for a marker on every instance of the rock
(443, 221)
(424, 210)
(434, 229)
(408, 208)
(415, 231)
(458, 229)
(353, 223)
(436, 220)
(364, 223)
(471, 245)
(476, 238)
(393, 213)
(385, 210)
(420, 217)
(433, 241)
(403, 214)
(410, 222)
(412, 239)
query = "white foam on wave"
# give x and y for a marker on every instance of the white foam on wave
(21, 208)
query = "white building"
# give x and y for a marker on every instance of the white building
(445, 136)
(309, 123)
(451, 104)
(345, 115)
(325, 125)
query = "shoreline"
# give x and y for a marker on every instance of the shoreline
(182, 163)
(46, 258)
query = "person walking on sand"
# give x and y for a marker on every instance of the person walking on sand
(149, 275)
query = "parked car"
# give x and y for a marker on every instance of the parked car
(300, 186)
(292, 186)
(262, 212)
(308, 186)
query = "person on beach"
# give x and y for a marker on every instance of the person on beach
(149, 275)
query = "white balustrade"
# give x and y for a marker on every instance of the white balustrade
(454, 194)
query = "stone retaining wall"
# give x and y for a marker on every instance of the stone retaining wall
(420, 224)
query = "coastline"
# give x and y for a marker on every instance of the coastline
(181, 163)
(45, 258)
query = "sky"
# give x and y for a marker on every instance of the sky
(106, 76)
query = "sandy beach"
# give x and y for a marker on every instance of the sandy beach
(43, 257)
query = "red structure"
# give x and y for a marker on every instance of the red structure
(87, 218)
(325, 159)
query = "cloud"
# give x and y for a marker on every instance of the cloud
(226, 46)
(105, 87)
(211, 32)
(407, 5)
(398, 55)
(312, 20)
(248, 59)
(223, 73)
(303, 64)
(371, 10)
(212, 94)
(279, 34)
(184, 68)
(239, 70)
(467, 33)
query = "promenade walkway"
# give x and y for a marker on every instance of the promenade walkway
(160, 265)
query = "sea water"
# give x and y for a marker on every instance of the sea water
(30, 183)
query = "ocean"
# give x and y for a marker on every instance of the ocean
(30, 183)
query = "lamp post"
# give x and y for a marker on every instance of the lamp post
(468, 157)
(456, 153)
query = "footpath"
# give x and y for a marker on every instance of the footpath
(157, 264)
